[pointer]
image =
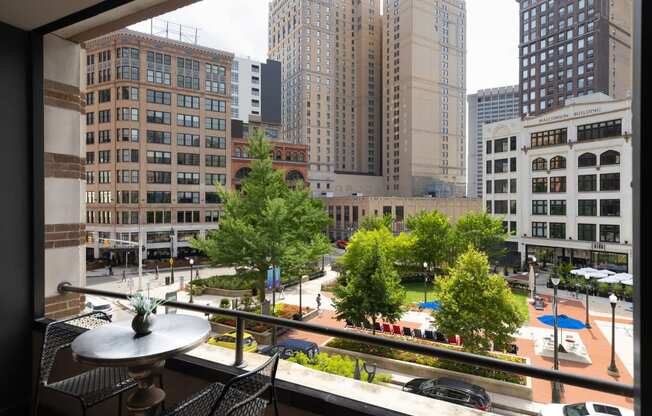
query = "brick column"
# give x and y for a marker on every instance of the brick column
(65, 220)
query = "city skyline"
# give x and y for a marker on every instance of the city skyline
(242, 29)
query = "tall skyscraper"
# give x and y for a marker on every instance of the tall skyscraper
(255, 90)
(573, 48)
(486, 106)
(424, 92)
(330, 53)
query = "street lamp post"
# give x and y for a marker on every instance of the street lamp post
(425, 282)
(191, 288)
(556, 394)
(613, 370)
(587, 323)
(171, 257)
(534, 276)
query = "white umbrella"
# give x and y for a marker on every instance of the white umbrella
(629, 282)
(531, 280)
(623, 276)
(609, 279)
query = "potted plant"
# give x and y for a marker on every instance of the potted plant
(144, 307)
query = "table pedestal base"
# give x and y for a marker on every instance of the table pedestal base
(147, 396)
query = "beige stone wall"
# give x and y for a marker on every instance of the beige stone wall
(345, 184)
(620, 49)
(64, 186)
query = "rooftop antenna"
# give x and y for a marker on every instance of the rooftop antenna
(173, 31)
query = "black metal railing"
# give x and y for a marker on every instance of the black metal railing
(459, 356)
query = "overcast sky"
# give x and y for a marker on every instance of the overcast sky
(240, 26)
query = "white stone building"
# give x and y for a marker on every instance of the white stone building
(562, 182)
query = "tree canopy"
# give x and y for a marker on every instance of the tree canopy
(369, 287)
(431, 236)
(482, 231)
(267, 222)
(476, 305)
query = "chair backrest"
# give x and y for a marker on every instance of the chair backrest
(386, 328)
(429, 334)
(349, 323)
(60, 334)
(396, 329)
(407, 331)
(239, 392)
(377, 326)
(417, 333)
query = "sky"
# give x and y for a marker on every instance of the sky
(240, 27)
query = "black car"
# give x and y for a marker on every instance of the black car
(291, 346)
(450, 390)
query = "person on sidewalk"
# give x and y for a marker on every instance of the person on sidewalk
(156, 272)
(110, 269)
(124, 276)
(318, 299)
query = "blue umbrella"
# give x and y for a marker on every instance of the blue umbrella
(430, 305)
(563, 322)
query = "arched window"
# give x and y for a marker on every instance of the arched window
(294, 175)
(238, 152)
(586, 159)
(242, 173)
(539, 164)
(278, 154)
(245, 152)
(610, 157)
(301, 157)
(558, 162)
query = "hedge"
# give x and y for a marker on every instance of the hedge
(434, 362)
(336, 364)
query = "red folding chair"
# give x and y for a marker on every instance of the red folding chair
(387, 328)
(396, 330)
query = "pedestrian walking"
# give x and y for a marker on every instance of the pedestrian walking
(197, 274)
(110, 269)
(156, 272)
(318, 299)
(124, 276)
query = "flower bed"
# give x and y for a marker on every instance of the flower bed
(434, 362)
(337, 364)
(282, 311)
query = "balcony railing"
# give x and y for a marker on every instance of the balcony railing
(578, 380)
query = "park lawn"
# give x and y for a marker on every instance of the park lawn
(414, 292)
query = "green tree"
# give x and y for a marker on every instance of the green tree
(476, 305)
(431, 235)
(267, 223)
(482, 231)
(376, 222)
(369, 287)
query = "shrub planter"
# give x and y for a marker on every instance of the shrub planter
(423, 371)
(227, 293)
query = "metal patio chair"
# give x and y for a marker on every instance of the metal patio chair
(407, 331)
(240, 396)
(417, 333)
(91, 387)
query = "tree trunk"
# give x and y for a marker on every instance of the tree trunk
(373, 326)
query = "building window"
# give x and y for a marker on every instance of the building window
(586, 232)
(188, 159)
(158, 137)
(558, 207)
(548, 138)
(187, 216)
(215, 178)
(215, 105)
(610, 207)
(488, 187)
(488, 147)
(539, 185)
(159, 177)
(539, 207)
(512, 206)
(215, 142)
(104, 156)
(512, 186)
(610, 233)
(600, 130)
(187, 101)
(586, 160)
(104, 116)
(188, 197)
(184, 139)
(500, 145)
(539, 164)
(558, 162)
(558, 184)
(500, 186)
(488, 170)
(212, 198)
(558, 230)
(610, 157)
(158, 117)
(188, 178)
(185, 120)
(159, 197)
(586, 183)
(539, 229)
(587, 208)
(215, 124)
(104, 96)
(610, 182)
(500, 207)
(158, 68)
(500, 165)
(211, 216)
(158, 97)
(512, 143)
(512, 164)
(489, 203)
(158, 157)
(217, 161)
(160, 217)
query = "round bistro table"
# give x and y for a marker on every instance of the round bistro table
(117, 345)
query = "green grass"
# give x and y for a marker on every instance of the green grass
(522, 304)
(414, 292)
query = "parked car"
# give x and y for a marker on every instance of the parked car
(94, 304)
(341, 244)
(228, 341)
(585, 409)
(291, 346)
(450, 390)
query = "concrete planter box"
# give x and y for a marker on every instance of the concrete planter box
(227, 293)
(423, 371)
